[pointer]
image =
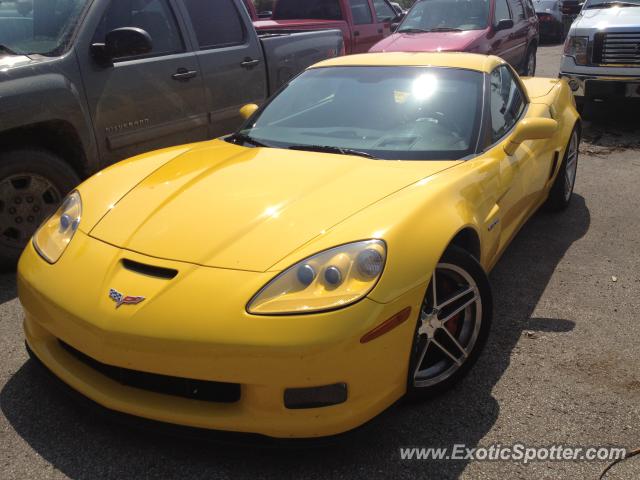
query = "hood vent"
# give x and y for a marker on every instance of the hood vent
(150, 270)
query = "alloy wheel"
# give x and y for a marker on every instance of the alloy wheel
(571, 166)
(449, 325)
(26, 200)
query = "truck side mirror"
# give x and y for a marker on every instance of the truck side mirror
(248, 110)
(504, 24)
(394, 26)
(122, 42)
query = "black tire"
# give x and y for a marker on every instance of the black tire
(561, 192)
(33, 182)
(470, 326)
(529, 62)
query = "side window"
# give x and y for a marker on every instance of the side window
(502, 11)
(507, 102)
(361, 12)
(215, 27)
(154, 17)
(518, 11)
(384, 12)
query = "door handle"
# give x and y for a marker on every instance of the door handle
(249, 62)
(183, 74)
(380, 30)
(356, 34)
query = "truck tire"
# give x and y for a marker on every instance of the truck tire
(33, 182)
(529, 62)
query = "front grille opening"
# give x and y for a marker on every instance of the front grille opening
(220, 392)
(150, 270)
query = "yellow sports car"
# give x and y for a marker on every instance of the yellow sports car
(296, 278)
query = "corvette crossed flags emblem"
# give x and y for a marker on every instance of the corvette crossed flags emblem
(121, 299)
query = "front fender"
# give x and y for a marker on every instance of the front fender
(417, 223)
(37, 92)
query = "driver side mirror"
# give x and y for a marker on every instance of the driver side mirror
(504, 24)
(122, 42)
(248, 110)
(394, 26)
(530, 129)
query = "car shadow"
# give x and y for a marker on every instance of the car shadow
(84, 446)
(8, 290)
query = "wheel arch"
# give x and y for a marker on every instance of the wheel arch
(57, 136)
(467, 239)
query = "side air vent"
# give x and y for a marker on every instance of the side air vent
(554, 164)
(150, 270)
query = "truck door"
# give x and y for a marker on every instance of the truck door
(364, 32)
(385, 14)
(231, 60)
(147, 102)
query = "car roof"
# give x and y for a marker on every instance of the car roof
(470, 61)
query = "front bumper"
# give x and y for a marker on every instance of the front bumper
(600, 82)
(195, 327)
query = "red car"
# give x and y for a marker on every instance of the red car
(507, 28)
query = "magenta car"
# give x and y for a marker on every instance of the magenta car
(507, 28)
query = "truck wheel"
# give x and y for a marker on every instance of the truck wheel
(33, 182)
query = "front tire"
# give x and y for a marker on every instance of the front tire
(562, 189)
(529, 67)
(453, 325)
(33, 182)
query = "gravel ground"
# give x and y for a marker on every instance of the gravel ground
(561, 365)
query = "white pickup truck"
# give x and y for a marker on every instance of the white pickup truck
(601, 57)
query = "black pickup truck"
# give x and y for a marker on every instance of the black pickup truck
(85, 83)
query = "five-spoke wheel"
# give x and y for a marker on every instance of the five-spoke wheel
(453, 324)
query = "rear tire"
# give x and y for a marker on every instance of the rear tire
(458, 322)
(562, 189)
(33, 182)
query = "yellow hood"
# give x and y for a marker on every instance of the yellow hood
(226, 206)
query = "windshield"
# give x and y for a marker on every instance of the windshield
(403, 113)
(430, 15)
(38, 26)
(611, 3)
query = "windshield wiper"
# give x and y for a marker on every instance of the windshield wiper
(413, 30)
(244, 138)
(445, 29)
(330, 149)
(612, 4)
(4, 48)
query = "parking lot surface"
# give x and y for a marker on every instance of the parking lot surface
(560, 367)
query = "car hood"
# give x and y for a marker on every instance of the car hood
(226, 206)
(614, 17)
(428, 41)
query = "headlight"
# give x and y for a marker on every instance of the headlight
(53, 236)
(328, 280)
(576, 47)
